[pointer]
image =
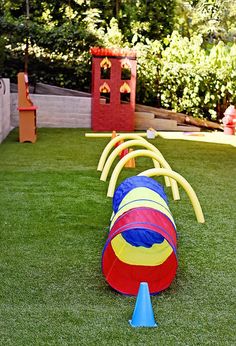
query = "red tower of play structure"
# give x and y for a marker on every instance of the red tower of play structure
(113, 89)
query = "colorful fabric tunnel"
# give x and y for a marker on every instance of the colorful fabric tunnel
(141, 245)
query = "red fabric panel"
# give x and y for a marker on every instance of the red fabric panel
(145, 218)
(126, 278)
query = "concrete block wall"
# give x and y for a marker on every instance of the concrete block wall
(5, 121)
(57, 111)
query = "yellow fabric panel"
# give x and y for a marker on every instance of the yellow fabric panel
(139, 193)
(153, 256)
(143, 192)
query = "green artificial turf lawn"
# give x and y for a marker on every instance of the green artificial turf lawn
(54, 218)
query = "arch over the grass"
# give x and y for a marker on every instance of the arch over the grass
(138, 153)
(112, 143)
(184, 183)
(127, 144)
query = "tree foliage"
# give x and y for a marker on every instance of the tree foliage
(213, 19)
(62, 31)
(189, 69)
(194, 80)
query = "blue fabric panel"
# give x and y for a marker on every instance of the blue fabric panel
(142, 237)
(133, 182)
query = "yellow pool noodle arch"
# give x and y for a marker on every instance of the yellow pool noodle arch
(184, 183)
(127, 144)
(138, 153)
(112, 143)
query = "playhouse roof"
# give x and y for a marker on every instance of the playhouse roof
(113, 52)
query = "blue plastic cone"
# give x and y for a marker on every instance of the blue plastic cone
(143, 313)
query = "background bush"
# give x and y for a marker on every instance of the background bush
(191, 69)
(195, 80)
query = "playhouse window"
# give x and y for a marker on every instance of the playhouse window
(105, 93)
(125, 70)
(105, 69)
(125, 93)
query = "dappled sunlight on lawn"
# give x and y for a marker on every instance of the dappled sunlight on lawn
(210, 137)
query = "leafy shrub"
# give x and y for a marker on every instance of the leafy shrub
(186, 77)
(148, 63)
(178, 73)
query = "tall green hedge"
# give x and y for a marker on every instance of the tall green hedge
(177, 73)
(183, 75)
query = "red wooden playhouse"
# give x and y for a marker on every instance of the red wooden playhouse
(113, 89)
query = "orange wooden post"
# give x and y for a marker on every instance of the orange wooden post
(131, 162)
(27, 111)
(113, 134)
